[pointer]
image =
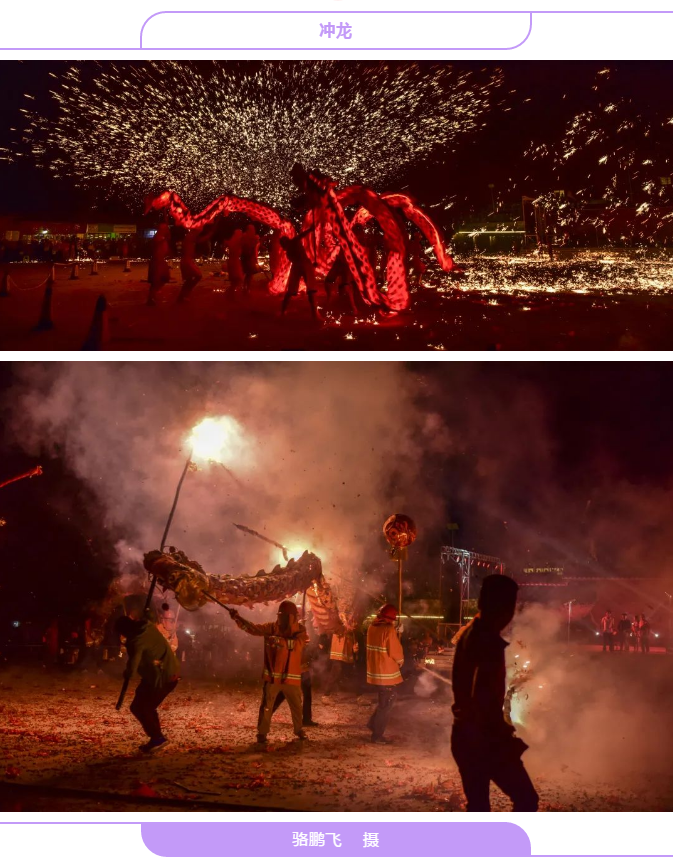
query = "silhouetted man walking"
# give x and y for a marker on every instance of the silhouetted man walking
(483, 742)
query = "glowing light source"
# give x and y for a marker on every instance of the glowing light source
(217, 439)
(294, 552)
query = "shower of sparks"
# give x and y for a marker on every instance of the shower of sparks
(203, 129)
(619, 151)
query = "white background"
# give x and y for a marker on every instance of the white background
(104, 26)
(86, 25)
(601, 833)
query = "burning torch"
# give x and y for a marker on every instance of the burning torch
(214, 440)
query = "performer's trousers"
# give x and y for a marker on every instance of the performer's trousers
(145, 703)
(608, 640)
(292, 694)
(481, 763)
(333, 676)
(307, 698)
(379, 719)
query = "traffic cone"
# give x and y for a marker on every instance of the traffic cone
(45, 322)
(4, 286)
(94, 268)
(127, 266)
(99, 332)
(74, 274)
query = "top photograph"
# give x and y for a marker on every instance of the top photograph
(336, 206)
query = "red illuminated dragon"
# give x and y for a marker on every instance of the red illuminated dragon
(327, 231)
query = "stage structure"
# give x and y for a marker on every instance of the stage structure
(470, 567)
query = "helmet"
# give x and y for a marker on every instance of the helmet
(388, 611)
(287, 607)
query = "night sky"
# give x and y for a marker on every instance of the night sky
(605, 429)
(542, 96)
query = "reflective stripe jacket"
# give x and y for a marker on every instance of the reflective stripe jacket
(384, 654)
(343, 648)
(283, 654)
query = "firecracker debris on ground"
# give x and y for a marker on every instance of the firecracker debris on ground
(61, 731)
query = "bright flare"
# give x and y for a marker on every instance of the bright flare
(218, 439)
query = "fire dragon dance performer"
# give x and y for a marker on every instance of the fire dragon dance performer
(159, 272)
(249, 254)
(343, 650)
(234, 263)
(167, 624)
(483, 743)
(191, 273)
(284, 644)
(301, 269)
(384, 659)
(150, 655)
(306, 688)
(341, 276)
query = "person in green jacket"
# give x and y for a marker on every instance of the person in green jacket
(150, 655)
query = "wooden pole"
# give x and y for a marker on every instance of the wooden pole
(399, 573)
(150, 594)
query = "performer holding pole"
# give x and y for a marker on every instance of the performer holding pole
(284, 643)
(151, 656)
(150, 594)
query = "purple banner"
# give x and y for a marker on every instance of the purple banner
(282, 838)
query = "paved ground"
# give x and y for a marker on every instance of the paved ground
(585, 301)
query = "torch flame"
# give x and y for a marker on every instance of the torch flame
(217, 439)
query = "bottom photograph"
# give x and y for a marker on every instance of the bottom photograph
(395, 587)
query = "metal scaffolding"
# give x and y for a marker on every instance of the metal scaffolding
(467, 562)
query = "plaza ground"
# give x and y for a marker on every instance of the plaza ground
(580, 301)
(60, 731)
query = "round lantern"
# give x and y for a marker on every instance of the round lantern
(400, 531)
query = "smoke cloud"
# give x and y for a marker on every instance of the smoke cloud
(330, 451)
(588, 717)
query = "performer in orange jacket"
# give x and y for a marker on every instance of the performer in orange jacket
(343, 650)
(284, 643)
(384, 659)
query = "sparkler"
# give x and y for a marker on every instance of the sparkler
(202, 128)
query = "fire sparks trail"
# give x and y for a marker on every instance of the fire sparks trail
(205, 128)
(35, 471)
